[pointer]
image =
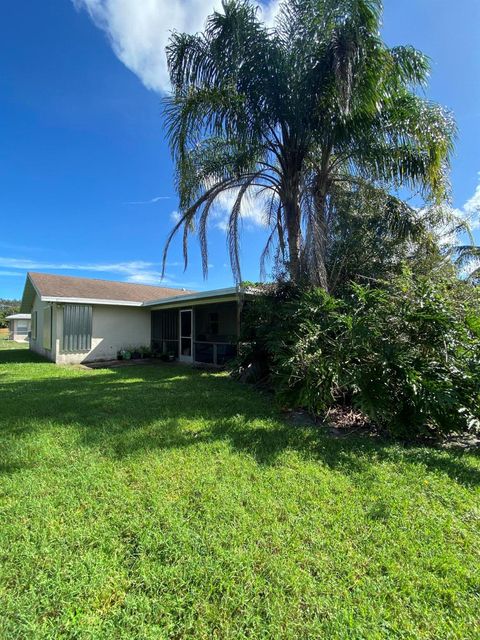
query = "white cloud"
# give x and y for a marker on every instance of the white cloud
(472, 208)
(469, 267)
(138, 30)
(449, 236)
(252, 209)
(151, 201)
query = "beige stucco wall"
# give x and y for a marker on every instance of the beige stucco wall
(113, 328)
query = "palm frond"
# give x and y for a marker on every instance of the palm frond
(317, 99)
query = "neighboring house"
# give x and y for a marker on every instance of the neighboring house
(78, 320)
(18, 327)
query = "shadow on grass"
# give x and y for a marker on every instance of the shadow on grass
(20, 356)
(124, 412)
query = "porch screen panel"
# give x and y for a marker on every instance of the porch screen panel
(77, 327)
(165, 331)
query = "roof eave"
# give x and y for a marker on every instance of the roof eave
(19, 316)
(202, 297)
(28, 296)
(113, 303)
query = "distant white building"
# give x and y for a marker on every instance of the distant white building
(19, 325)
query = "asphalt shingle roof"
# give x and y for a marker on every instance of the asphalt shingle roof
(55, 286)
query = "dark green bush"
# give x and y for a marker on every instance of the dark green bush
(406, 353)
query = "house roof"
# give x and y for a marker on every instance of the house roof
(19, 316)
(55, 288)
(68, 289)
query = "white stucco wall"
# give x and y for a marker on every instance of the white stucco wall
(113, 328)
(37, 344)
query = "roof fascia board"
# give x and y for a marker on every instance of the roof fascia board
(186, 304)
(113, 303)
(190, 297)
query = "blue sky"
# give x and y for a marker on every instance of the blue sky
(86, 182)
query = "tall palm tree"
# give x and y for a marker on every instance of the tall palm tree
(285, 113)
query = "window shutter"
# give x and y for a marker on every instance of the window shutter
(34, 325)
(47, 328)
(77, 327)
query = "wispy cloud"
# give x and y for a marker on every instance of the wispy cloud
(137, 271)
(472, 207)
(151, 201)
(138, 30)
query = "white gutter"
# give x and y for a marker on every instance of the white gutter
(117, 303)
(189, 297)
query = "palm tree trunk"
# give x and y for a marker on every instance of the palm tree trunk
(292, 162)
(293, 219)
(321, 189)
(321, 274)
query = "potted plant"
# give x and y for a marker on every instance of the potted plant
(145, 352)
(136, 355)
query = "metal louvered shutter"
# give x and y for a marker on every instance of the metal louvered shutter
(77, 327)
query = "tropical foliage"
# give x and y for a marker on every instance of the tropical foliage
(7, 307)
(289, 114)
(406, 353)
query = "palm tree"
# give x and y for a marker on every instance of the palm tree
(284, 114)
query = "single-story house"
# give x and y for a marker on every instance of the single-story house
(77, 320)
(18, 327)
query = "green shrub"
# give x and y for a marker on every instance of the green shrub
(406, 353)
(416, 356)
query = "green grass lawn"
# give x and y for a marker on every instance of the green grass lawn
(162, 502)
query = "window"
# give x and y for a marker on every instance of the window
(47, 328)
(212, 324)
(34, 325)
(77, 327)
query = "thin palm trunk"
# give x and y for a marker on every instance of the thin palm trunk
(293, 216)
(321, 222)
(290, 195)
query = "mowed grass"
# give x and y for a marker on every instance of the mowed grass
(163, 502)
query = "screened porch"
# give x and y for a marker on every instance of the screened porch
(205, 333)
